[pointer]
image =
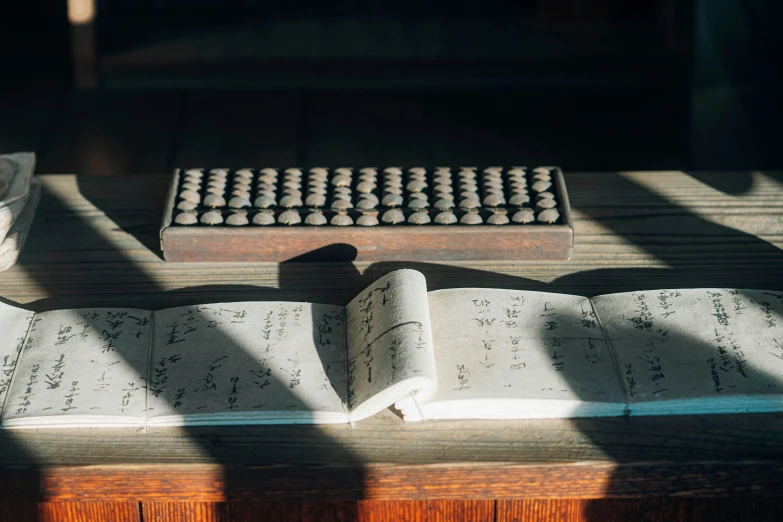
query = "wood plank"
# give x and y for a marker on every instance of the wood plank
(106, 133)
(426, 511)
(185, 511)
(650, 509)
(365, 129)
(447, 480)
(15, 511)
(560, 510)
(241, 129)
(248, 511)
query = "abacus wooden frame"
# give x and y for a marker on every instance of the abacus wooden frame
(381, 243)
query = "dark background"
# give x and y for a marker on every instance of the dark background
(601, 85)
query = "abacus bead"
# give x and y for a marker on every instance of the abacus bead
(393, 216)
(341, 204)
(497, 219)
(341, 181)
(237, 219)
(419, 218)
(264, 202)
(211, 218)
(494, 200)
(238, 202)
(541, 186)
(240, 193)
(368, 197)
(315, 200)
(444, 204)
(392, 200)
(469, 203)
(544, 204)
(549, 215)
(365, 187)
(367, 220)
(315, 219)
(518, 200)
(523, 216)
(341, 220)
(190, 195)
(445, 218)
(471, 218)
(289, 217)
(264, 218)
(418, 204)
(214, 200)
(186, 218)
(290, 201)
(366, 204)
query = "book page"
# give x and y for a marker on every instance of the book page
(674, 345)
(14, 323)
(253, 361)
(84, 367)
(390, 351)
(495, 345)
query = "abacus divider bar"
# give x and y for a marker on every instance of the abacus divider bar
(562, 196)
(168, 208)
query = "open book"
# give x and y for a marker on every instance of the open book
(461, 353)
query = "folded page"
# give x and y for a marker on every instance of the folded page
(390, 350)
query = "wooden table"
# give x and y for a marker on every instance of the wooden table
(94, 242)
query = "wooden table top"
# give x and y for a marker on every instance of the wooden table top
(94, 243)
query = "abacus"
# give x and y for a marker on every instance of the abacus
(392, 213)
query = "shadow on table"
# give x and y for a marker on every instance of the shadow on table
(250, 467)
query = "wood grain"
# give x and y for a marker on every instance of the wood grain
(181, 244)
(16, 511)
(653, 510)
(448, 480)
(426, 511)
(248, 511)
